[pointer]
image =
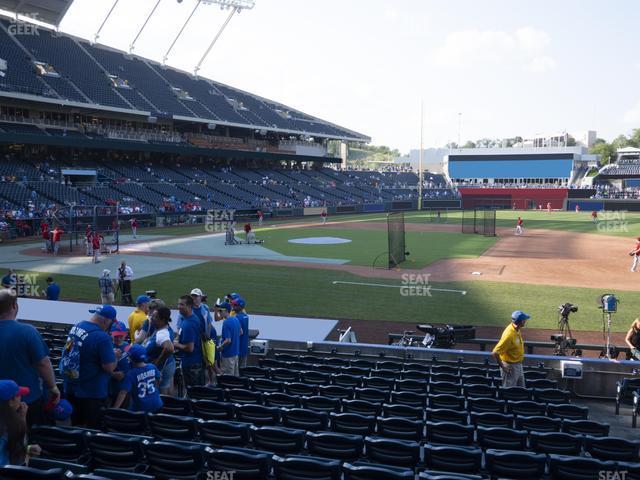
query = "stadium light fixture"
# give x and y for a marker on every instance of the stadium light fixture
(234, 5)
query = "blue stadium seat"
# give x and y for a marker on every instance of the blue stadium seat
(175, 405)
(60, 443)
(124, 421)
(446, 401)
(265, 385)
(362, 407)
(480, 405)
(402, 428)
(491, 419)
(577, 468)
(567, 411)
(115, 452)
(447, 415)
(389, 451)
(400, 410)
(15, 472)
(526, 408)
(514, 394)
(585, 427)
(537, 423)
(344, 380)
(205, 393)
(300, 389)
(243, 397)
(213, 410)
(172, 427)
(371, 395)
(321, 404)
(555, 442)
(412, 385)
(304, 419)
(335, 391)
(259, 415)
(551, 395)
(174, 460)
(411, 399)
(244, 463)
(502, 438)
(612, 448)
(380, 383)
(231, 381)
(282, 400)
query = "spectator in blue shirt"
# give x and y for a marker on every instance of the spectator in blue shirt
(53, 289)
(88, 393)
(9, 280)
(142, 382)
(189, 343)
(230, 342)
(238, 305)
(148, 328)
(24, 358)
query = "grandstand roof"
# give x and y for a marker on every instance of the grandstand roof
(47, 11)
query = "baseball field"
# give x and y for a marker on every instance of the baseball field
(331, 270)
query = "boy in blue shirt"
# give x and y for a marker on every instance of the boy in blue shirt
(123, 365)
(142, 382)
(230, 344)
(238, 305)
(53, 290)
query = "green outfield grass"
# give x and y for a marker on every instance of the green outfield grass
(305, 292)
(366, 245)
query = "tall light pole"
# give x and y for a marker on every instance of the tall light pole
(459, 128)
(420, 170)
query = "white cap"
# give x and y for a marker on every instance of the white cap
(106, 272)
(196, 291)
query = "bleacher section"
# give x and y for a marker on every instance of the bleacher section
(74, 70)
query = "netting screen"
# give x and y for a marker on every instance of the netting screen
(469, 221)
(395, 229)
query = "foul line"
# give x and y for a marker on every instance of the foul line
(336, 282)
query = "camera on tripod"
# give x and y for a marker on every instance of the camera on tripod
(564, 340)
(566, 309)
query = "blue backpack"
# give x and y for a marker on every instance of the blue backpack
(70, 361)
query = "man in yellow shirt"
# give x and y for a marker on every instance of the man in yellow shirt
(509, 351)
(138, 316)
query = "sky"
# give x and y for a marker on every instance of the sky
(490, 68)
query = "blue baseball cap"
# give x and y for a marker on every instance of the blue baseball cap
(142, 299)
(224, 305)
(9, 389)
(106, 311)
(519, 316)
(137, 353)
(62, 410)
(238, 302)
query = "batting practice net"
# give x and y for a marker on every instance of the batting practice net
(395, 229)
(480, 221)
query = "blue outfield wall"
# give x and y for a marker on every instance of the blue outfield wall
(586, 205)
(556, 168)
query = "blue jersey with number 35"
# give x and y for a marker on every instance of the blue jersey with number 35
(142, 384)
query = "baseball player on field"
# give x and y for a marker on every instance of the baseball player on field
(519, 230)
(635, 253)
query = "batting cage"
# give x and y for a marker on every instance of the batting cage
(395, 230)
(480, 221)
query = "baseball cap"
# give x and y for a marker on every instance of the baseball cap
(106, 311)
(137, 353)
(106, 272)
(117, 330)
(142, 299)
(61, 411)
(519, 316)
(224, 305)
(196, 291)
(238, 302)
(9, 389)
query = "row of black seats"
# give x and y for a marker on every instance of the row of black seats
(388, 380)
(367, 400)
(458, 367)
(186, 459)
(406, 405)
(451, 372)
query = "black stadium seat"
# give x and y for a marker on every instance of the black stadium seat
(402, 453)
(555, 442)
(490, 419)
(231, 381)
(448, 458)
(515, 465)
(402, 428)
(321, 404)
(213, 410)
(205, 393)
(352, 423)
(244, 463)
(172, 427)
(362, 407)
(296, 467)
(11, 472)
(174, 460)
(538, 423)
(259, 415)
(502, 438)
(372, 471)
(304, 419)
(115, 451)
(279, 440)
(447, 415)
(585, 427)
(400, 410)
(577, 468)
(446, 433)
(612, 448)
(282, 400)
(223, 433)
(340, 446)
(60, 443)
(175, 405)
(124, 421)
(567, 411)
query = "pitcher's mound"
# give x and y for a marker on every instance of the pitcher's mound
(320, 240)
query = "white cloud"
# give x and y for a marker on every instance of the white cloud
(525, 47)
(540, 64)
(633, 114)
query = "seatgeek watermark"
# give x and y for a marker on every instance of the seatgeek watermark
(25, 285)
(415, 285)
(612, 221)
(20, 27)
(219, 220)
(220, 475)
(612, 474)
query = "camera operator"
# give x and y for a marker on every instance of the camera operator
(633, 339)
(509, 351)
